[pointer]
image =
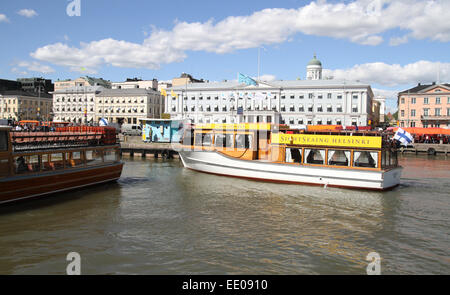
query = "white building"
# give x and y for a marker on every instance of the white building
(299, 102)
(75, 104)
(128, 105)
(314, 69)
(382, 101)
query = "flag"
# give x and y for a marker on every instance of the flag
(246, 80)
(173, 94)
(163, 92)
(404, 137)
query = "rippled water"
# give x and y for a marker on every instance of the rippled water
(160, 218)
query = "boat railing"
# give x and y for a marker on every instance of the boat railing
(29, 141)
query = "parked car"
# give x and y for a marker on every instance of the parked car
(131, 129)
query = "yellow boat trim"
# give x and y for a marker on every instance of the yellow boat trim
(327, 140)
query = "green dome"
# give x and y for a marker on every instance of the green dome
(314, 62)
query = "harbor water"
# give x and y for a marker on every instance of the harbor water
(160, 218)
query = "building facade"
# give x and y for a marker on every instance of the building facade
(21, 105)
(136, 83)
(128, 105)
(76, 104)
(82, 82)
(299, 102)
(36, 85)
(425, 105)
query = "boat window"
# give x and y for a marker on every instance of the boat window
(3, 141)
(243, 141)
(365, 159)
(25, 164)
(338, 158)
(110, 155)
(223, 140)
(203, 139)
(74, 159)
(314, 156)
(293, 155)
(93, 157)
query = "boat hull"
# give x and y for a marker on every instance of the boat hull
(217, 163)
(29, 186)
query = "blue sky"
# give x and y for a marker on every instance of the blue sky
(390, 44)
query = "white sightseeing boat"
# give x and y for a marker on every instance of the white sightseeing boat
(364, 160)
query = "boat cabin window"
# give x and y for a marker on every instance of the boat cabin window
(365, 159)
(293, 155)
(3, 141)
(314, 156)
(339, 158)
(94, 157)
(243, 141)
(111, 155)
(223, 140)
(26, 164)
(74, 159)
(203, 139)
(389, 158)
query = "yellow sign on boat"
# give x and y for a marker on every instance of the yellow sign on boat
(328, 140)
(229, 126)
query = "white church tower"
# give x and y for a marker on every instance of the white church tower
(314, 69)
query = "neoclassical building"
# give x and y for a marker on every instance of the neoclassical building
(297, 102)
(75, 104)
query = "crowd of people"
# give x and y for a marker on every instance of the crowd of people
(442, 139)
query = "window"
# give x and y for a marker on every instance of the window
(339, 109)
(111, 155)
(413, 113)
(310, 108)
(338, 122)
(402, 113)
(426, 112)
(448, 111)
(314, 156)
(437, 112)
(402, 100)
(329, 95)
(310, 95)
(354, 109)
(203, 139)
(3, 141)
(74, 159)
(223, 140)
(283, 96)
(319, 109)
(365, 159)
(413, 124)
(339, 97)
(320, 96)
(301, 108)
(425, 100)
(243, 141)
(413, 100)
(293, 155)
(328, 122)
(355, 96)
(292, 109)
(338, 158)
(329, 109)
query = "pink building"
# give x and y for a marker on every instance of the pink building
(425, 106)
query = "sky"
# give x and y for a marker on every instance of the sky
(391, 45)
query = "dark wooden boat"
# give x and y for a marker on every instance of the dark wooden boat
(34, 164)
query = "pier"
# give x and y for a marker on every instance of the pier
(429, 148)
(133, 146)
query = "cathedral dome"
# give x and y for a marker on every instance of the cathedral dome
(314, 62)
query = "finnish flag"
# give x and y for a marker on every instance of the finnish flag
(404, 137)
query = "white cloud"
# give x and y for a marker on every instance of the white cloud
(360, 21)
(27, 13)
(394, 41)
(394, 74)
(32, 66)
(3, 18)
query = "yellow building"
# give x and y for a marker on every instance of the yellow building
(20, 105)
